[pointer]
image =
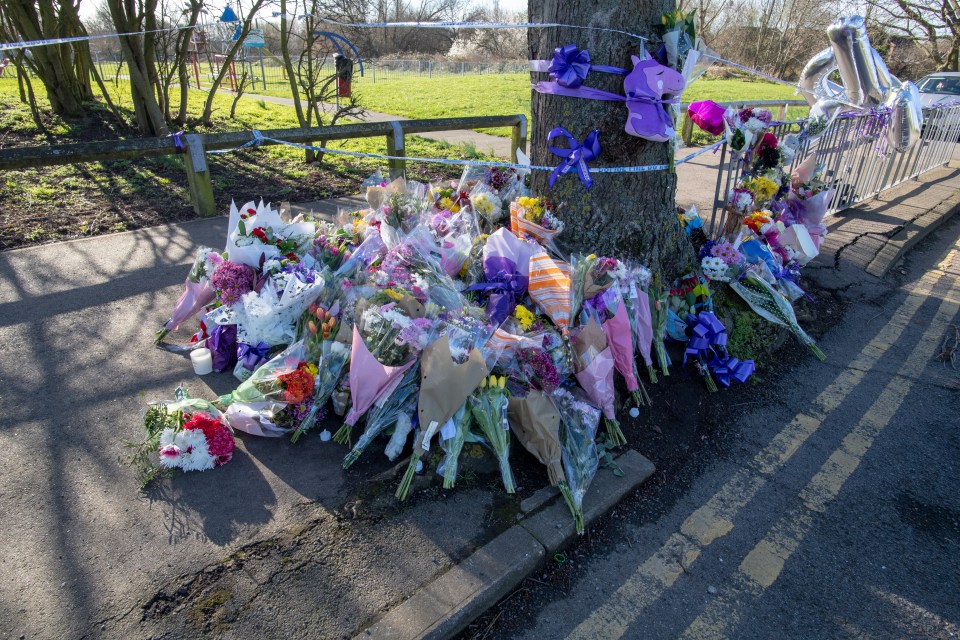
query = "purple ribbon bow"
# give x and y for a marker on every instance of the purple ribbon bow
(576, 156)
(251, 356)
(570, 66)
(706, 332)
(223, 346)
(504, 286)
(727, 368)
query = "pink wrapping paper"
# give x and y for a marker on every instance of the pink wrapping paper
(707, 115)
(597, 380)
(368, 378)
(644, 322)
(195, 296)
(620, 340)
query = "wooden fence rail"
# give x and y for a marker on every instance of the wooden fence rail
(196, 147)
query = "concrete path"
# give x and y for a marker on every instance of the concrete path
(830, 513)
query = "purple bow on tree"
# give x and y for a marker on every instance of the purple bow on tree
(570, 66)
(576, 156)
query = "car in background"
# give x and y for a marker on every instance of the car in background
(939, 88)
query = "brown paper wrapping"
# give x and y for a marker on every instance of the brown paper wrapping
(445, 385)
(536, 423)
(589, 342)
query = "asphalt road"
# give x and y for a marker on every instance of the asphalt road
(834, 513)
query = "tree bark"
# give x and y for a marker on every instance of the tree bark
(624, 215)
(137, 52)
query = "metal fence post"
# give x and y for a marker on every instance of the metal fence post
(198, 176)
(395, 147)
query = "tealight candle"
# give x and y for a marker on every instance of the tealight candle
(202, 361)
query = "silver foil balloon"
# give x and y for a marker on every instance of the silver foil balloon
(856, 62)
(906, 116)
(814, 80)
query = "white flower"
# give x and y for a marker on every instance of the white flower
(552, 221)
(399, 438)
(487, 205)
(715, 268)
(196, 455)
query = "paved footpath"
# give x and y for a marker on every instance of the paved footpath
(834, 513)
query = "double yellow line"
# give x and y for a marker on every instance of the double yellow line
(714, 519)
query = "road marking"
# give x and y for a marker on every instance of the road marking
(763, 564)
(714, 519)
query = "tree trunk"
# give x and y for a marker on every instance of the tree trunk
(624, 215)
(137, 52)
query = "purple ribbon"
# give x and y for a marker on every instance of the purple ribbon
(727, 368)
(503, 289)
(178, 140)
(570, 66)
(576, 156)
(706, 333)
(223, 346)
(555, 88)
(252, 357)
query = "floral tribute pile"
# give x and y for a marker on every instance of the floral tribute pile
(445, 314)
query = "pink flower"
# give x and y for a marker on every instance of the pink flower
(170, 451)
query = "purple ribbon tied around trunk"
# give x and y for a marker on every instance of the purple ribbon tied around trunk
(570, 66)
(576, 156)
(726, 368)
(252, 356)
(706, 333)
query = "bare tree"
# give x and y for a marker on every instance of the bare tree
(932, 25)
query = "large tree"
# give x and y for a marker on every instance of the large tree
(932, 25)
(65, 68)
(623, 214)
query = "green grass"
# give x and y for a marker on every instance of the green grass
(69, 201)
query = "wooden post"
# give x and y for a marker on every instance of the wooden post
(782, 112)
(518, 138)
(198, 176)
(686, 127)
(395, 147)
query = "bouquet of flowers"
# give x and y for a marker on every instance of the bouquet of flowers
(609, 309)
(259, 233)
(535, 217)
(637, 304)
(578, 450)
(188, 434)
(452, 438)
(197, 292)
(488, 405)
(660, 315)
(386, 412)
(386, 340)
(591, 276)
(334, 357)
(744, 127)
(594, 364)
(768, 303)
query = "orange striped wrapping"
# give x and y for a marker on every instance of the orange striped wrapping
(507, 343)
(521, 226)
(550, 288)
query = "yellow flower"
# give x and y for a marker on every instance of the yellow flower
(483, 383)
(393, 293)
(446, 203)
(525, 317)
(311, 368)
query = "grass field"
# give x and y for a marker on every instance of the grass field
(61, 202)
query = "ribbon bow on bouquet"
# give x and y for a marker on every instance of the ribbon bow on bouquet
(708, 346)
(576, 156)
(251, 356)
(570, 66)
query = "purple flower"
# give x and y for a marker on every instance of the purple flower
(539, 370)
(231, 280)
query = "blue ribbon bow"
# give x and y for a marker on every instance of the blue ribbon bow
(570, 66)
(251, 356)
(576, 156)
(706, 333)
(726, 368)
(503, 290)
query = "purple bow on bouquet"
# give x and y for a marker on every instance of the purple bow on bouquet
(252, 356)
(223, 347)
(576, 156)
(570, 66)
(727, 368)
(504, 287)
(708, 337)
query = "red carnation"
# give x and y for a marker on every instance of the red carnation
(219, 439)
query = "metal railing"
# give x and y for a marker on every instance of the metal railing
(854, 156)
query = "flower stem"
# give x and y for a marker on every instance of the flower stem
(407, 480)
(614, 433)
(160, 335)
(572, 505)
(821, 356)
(652, 373)
(342, 436)
(662, 357)
(507, 474)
